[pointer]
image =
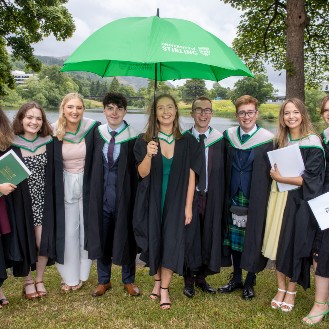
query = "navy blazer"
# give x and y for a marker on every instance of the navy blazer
(242, 166)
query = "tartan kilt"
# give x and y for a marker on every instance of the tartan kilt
(235, 235)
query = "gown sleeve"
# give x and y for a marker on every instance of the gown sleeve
(140, 216)
(140, 149)
(305, 231)
(326, 178)
(313, 176)
(196, 154)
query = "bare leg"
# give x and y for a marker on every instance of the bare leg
(280, 295)
(4, 300)
(166, 275)
(29, 287)
(289, 298)
(41, 263)
(156, 288)
(315, 264)
(320, 305)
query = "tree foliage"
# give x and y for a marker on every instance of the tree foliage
(194, 88)
(24, 23)
(114, 86)
(49, 87)
(258, 87)
(312, 100)
(267, 33)
(219, 91)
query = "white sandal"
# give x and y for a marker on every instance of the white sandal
(289, 307)
(277, 303)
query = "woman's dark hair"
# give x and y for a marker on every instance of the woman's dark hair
(20, 115)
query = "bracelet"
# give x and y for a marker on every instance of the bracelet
(150, 156)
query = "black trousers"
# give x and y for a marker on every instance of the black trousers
(237, 271)
(199, 276)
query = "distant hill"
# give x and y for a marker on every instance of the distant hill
(135, 82)
(47, 60)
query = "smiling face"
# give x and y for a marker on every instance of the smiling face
(166, 112)
(202, 114)
(114, 115)
(73, 111)
(292, 117)
(247, 115)
(32, 123)
(325, 113)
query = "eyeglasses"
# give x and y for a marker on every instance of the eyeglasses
(200, 110)
(242, 114)
(113, 108)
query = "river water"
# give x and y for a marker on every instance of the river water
(138, 120)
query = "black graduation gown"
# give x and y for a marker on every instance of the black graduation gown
(22, 247)
(323, 260)
(298, 224)
(210, 244)
(162, 239)
(124, 248)
(59, 191)
(252, 259)
(326, 177)
(3, 272)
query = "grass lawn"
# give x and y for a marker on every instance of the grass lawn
(226, 109)
(118, 310)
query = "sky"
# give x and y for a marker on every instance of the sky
(212, 15)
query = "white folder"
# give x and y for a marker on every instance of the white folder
(320, 208)
(289, 162)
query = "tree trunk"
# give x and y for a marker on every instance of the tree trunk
(296, 22)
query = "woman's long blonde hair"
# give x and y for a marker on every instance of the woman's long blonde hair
(306, 126)
(150, 123)
(6, 131)
(61, 122)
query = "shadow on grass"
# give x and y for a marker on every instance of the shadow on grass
(118, 310)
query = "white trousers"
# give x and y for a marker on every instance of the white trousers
(76, 263)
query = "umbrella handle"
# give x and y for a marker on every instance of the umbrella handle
(154, 137)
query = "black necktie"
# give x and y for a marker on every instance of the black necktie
(111, 149)
(245, 137)
(203, 174)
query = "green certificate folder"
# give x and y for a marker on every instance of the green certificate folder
(12, 169)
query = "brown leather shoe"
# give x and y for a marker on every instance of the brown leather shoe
(101, 289)
(131, 289)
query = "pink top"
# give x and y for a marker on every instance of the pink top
(74, 157)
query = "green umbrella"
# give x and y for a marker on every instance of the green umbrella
(156, 48)
(136, 46)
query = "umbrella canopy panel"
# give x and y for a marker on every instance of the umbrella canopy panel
(133, 46)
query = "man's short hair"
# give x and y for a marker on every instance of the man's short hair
(244, 100)
(201, 98)
(115, 98)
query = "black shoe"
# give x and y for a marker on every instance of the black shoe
(248, 292)
(231, 286)
(204, 286)
(189, 291)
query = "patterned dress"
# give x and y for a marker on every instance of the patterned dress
(36, 182)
